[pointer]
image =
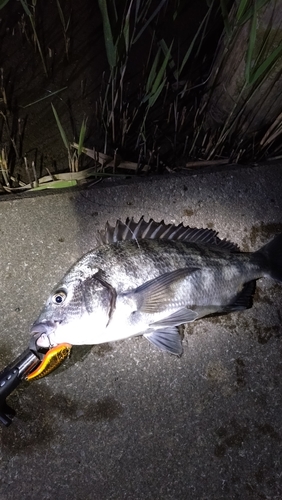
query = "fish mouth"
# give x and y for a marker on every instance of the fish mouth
(41, 334)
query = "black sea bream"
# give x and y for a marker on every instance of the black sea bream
(148, 278)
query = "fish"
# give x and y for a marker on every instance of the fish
(148, 278)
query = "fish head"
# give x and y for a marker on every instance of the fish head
(77, 308)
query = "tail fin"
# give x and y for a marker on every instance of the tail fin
(270, 256)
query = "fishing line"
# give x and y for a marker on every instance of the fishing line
(133, 235)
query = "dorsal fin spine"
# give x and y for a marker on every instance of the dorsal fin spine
(131, 230)
(148, 229)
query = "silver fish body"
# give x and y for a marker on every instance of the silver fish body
(149, 278)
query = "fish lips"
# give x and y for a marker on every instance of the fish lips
(40, 334)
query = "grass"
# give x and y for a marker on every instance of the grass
(157, 111)
(4, 167)
(262, 63)
(65, 26)
(122, 30)
(74, 155)
(30, 10)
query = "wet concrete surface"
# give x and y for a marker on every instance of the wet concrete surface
(124, 420)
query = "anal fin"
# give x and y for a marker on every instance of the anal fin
(166, 339)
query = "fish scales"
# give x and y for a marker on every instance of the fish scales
(145, 259)
(131, 263)
(148, 278)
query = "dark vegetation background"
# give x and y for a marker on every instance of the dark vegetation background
(159, 85)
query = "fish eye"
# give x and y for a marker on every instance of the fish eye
(59, 297)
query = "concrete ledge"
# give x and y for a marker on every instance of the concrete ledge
(123, 420)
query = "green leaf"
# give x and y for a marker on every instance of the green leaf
(155, 96)
(161, 72)
(3, 3)
(55, 185)
(25, 7)
(126, 27)
(252, 41)
(248, 14)
(241, 9)
(62, 132)
(267, 65)
(165, 50)
(224, 12)
(156, 11)
(45, 97)
(153, 72)
(177, 73)
(108, 35)
(81, 137)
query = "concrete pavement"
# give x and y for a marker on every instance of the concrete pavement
(123, 420)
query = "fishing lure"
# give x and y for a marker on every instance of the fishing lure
(53, 358)
(29, 365)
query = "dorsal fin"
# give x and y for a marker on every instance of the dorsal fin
(131, 230)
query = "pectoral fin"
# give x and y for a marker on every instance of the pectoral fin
(153, 296)
(166, 339)
(184, 315)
